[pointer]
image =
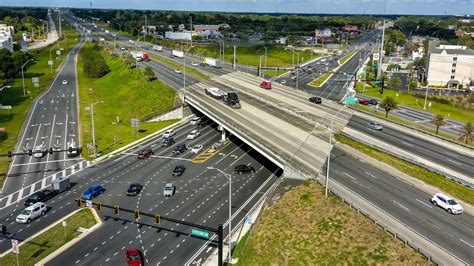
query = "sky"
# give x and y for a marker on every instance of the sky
(403, 7)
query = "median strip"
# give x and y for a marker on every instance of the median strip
(321, 80)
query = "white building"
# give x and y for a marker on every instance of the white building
(6, 37)
(450, 65)
(178, 35)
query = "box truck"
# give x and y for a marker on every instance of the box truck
(178, 54)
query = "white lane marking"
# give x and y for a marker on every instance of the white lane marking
(424, 203)
(453, 161)
(451, 154)
(406, 143)
(401, 206)
(369, 174)
(348, 175)
(472, 246)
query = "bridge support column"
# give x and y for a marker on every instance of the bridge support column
(293, 173)
(223, 133)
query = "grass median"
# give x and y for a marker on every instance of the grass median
(46, 243)
(320, 81)
(450, 187)
(12, 120)
(126, 94)
(346, 58)
(190, 71)
(303, 228)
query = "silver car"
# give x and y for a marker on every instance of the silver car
(375, 126)
(169, 189)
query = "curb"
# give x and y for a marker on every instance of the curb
(73, 241)
(429, 189)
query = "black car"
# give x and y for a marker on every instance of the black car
(180, 148)
(40, 196)
(178, 170)
(134, 189)
(243, 169)
(315, 99)
(145, 153)
(373, 102)
(166, 142)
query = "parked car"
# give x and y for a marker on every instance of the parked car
(92, 192)
(363, 101)
(143, 154)
(169, 133)
(166, 142)
(31, 212)
(169, 190)
(447, 203)
(134, 189)
(243, 169)
(315, 99)
(193, 134)
(180, 148)
(195, 121)
(375, 126)
(196, 149)
(373, 102)
(178, 170)
(134, 257)
(65, 82)
(40, 196)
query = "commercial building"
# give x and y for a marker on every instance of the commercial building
(450, 65)
(178, 35)
(6, 37)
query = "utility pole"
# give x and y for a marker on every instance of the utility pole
(293, 58)
(265, 57)
(60, 32)
(379, 69)
(297, 70)
(146, 26)
(327, 167)
(235, 52)
(191, 18)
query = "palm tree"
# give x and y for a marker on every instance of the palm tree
(130, 62)
(149, 73)
(388, 104)
(467, 134)
(438, 120)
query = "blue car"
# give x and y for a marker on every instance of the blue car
(92, 192)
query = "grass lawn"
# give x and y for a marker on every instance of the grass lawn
(319, 81)
(12, 120)
(305, 229)
(275, 72)
(450, 187)
(173, 64)
(448, 110)
(346, 58)
(48, 242)
(126, 94)
(277, 56)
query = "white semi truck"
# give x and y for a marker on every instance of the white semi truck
(178, 54)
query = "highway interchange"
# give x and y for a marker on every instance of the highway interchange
(201, 195)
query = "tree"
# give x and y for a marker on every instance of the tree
(388, 104)
(149, 73)
(438, 121)
(129, 61)
(394, 82)
(467, 134)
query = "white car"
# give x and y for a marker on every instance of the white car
(31, 212)
(196, 149)
(39, 152)
(195, 121)
(65, 82)
(283, 81)
(447, 203)
(169, 133)
(177, 71)
(194, 64)
(193, 134)
(169, 190)
(375, 126)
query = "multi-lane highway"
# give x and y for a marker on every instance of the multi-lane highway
(51, 123)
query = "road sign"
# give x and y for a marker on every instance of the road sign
(15, 247)
(58, 52)
(50, 62)
(135, 123)
(350, 100)
(200, 233)
(89, 203)
(35, 79)
(64, 223)
(375, 57)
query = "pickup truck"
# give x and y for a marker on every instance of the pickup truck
(40, 196)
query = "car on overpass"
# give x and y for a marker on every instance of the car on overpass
(375, 126)
(244, 169)
(92, 192)
(134, 189)
(447, 203)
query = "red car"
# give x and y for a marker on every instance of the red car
(145, 154)
(363, 102)
(266, 85)
(134, 257)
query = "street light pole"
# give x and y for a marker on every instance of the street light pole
(93, 129)
(327, 167)
(265, 57)
(260, 67)
(297, 69)
(23, 76)
(229, 177)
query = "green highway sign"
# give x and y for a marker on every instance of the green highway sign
(350, 100)
(200, 233)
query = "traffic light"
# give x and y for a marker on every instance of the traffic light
(50, 151)
(116, 210)
(79, 203)
(70, 149)
(137, 214)
(157, 219)
(99, 206)
(30, 152)
(3, 229)
(9, 153)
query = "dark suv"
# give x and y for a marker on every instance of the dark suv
(166, 142)
(180, 148)
(315, 99)
(143, 154)
(243, 169)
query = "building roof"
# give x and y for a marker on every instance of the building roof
(435, 47)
